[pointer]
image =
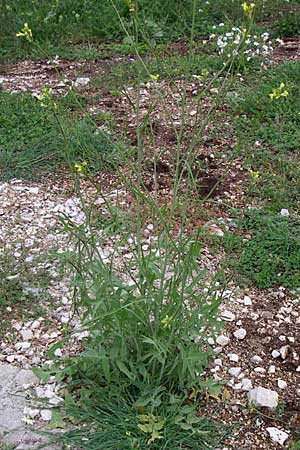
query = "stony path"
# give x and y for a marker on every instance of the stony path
(14, 385)
(29, 230)
(259, 347)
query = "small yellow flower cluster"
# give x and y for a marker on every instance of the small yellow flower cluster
(279, 92)
(80, 168)
(254, 175)
(248, 9)
(45, 97)
(154, 78)
(25, 32)
(131, 5)
(166, 321)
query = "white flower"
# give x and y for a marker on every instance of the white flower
(284, 213)
(27, 420)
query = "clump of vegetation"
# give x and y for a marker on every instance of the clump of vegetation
(57, 25)
(33, 141)
(268, 250)
(20, 289)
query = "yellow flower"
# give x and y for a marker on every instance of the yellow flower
(255, 175)
(154, 78)
(166, 321)
(25, 32)
(45, 98)
(80, 168)
(248, 9)
(279, 92)
(130, 5)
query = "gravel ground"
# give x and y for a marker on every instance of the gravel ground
(259, 345)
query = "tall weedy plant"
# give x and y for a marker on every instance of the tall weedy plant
(147, 304)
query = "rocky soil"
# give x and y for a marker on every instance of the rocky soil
(257, 355)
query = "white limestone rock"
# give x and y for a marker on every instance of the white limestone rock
(262, 397)
(82, 81)
(277, 435)
(233, 357)
(27, 335)
(246, 384)
(282, 384)
(222, 340)
(234, 371)
(46, 415)
(256, 359)
(228, 316)
(240, 333)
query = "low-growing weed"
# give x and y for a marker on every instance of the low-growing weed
(115, 424)
(288, 25)
(20, 290)
(268, 250)
(59, 27)
(267, 125)
(32, 142)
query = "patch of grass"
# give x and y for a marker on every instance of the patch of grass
(107, 421)
(289, 25)
(4, 446)
(56, 23)
(59, 25)
(33, 143)
(20, 290)
(267, 249)
(117, 75)
(268, 135)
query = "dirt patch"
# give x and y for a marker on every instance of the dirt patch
(289, 50)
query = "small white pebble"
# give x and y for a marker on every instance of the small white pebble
(272, 369)
(284, 351)
(234, 371)
(256, 359)
(218, 350)
(46, 414)
(222, 340)
(237, 386)
(35, 324)
(282, 384)
(27, 335)
(233, 357)
(218, 362)
(58, 352)
(228, 316)
(275, 353)
(247, 301)
(277, 435)
(246, 384)
(240, 333)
